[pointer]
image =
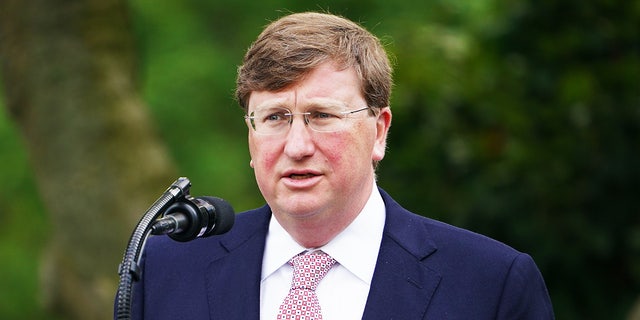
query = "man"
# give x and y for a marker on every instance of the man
(315, 89)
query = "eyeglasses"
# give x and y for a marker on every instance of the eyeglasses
(275, 120)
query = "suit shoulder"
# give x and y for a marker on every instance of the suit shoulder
(449, 235)
(422, 235)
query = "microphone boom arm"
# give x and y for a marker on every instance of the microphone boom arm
(129, 270)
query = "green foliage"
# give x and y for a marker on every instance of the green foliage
(517, 119)
(526, 128)
(22, 232)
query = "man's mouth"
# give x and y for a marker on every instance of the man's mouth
(301, 176)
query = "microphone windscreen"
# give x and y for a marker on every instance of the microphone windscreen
(224, 217)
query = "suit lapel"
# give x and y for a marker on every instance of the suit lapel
(233, 277)
(402, 284)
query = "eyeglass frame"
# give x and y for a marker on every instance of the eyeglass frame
(345, 114)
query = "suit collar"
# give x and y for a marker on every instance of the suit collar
(402, 284)
(407, 229)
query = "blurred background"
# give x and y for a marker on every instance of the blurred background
(517, 119)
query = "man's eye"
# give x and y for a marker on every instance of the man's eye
(320, 115)
(278, 116)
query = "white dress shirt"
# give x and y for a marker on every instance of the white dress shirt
(343, 291)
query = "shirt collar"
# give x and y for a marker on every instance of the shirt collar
(279, 248)
(355, 248)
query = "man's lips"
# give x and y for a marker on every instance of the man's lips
(300, 174)
(301, 179)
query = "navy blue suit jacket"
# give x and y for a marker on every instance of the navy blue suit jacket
(426, 270)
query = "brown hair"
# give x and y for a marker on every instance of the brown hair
(289, 48)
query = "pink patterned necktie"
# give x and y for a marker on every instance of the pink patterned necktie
(302, 302)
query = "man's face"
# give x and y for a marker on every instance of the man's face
(306, 175)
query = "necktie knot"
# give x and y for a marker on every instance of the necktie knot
(309, 269)
(302, 302)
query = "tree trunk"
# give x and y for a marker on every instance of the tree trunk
(68, 70)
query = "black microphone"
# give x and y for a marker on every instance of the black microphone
(194, 218)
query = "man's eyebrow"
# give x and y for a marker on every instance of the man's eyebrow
(280, 103)
(324, 102)
(311, 103)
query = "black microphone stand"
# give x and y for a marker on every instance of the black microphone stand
(129, 269)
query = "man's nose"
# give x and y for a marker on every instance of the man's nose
(299, 142)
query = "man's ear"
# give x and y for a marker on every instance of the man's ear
(383, 123)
